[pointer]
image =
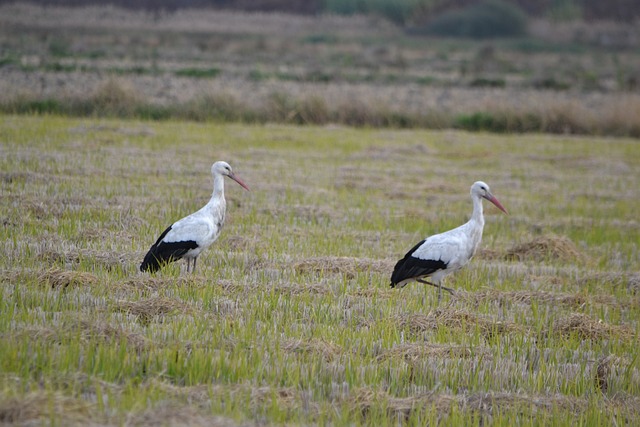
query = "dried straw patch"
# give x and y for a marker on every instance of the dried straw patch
(293, 289)
(106, 259)
(415, 351)
(543, 248)
(588, 328)
(347, 266)
(57, 278)
(84, 330)
(630, 281)
(364, 400)
(457, 319)
(15, 275)
(285, 396)
(151, 308)
(327, 350)
(489, 254)
(104, 331)
(36, 407)
(173, 414)
(488, 402)
(154, 283)
(549, 298)
(603, 370)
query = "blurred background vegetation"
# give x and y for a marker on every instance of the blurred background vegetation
(559, 66)
(405, 12)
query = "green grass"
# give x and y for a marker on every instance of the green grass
(289, 318)
(201, 73)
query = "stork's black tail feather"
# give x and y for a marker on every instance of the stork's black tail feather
(162, 252)
(399, 274)
(412, 268)
(151, 263)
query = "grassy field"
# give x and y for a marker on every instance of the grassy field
(289, 318)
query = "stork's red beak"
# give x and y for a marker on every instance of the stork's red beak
(238, 180)
(495, 201)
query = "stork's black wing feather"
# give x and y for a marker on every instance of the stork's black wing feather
(411, 267)
(162, 252)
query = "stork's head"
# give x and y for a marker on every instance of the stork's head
(224, 169)
(481, 189)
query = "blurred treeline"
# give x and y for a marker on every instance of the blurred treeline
(402, 12)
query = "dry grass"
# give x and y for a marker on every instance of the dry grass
(546, 248)
(257, 395)
(456, 319)
(89, 331)
(630, 282)
(326, 349)
(415, 352)
(57, 278)
(108, 260)
(35, 409)
(173, 414)
(151, 308)
(590, 329)
(482, 403)
(528, 297)
(346, 266)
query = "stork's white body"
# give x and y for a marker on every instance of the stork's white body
(442, 254)
(203, 227)
(189, 236)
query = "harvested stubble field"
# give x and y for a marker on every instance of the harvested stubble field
(289, 318)
(203, 65)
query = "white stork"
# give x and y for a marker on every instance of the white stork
(442, 254)
(191, 235)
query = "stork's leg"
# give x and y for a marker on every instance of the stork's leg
(194, 265)
(440, 287)
(188, 263)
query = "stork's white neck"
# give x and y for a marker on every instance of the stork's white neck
(477, 215)
(218, 186)
(474, 227)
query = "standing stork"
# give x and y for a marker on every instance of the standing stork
(442, 254)
(188, 237)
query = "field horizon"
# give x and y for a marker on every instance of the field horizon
(289, 318)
